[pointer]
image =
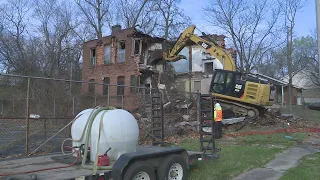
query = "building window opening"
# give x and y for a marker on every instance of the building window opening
(120, 87)
(107, 54)
(106, 82)
(208, 67)
(93, 57)
(137, 46)
(122, 52)
(197, 86)
(91, 86)
(133, 84)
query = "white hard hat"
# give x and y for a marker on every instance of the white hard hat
(217, 105)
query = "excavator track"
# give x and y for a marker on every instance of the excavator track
(239, 109)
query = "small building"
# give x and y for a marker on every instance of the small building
(195, 73)
(282, 90)
(303, 79)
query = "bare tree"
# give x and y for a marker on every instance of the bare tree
(251, 26)
(142, 13)
(97, 13)
(289, 9)
(14, 36)
(305, 58)
(56, 26)
(315, 69)
(272, 63)
(172, 20)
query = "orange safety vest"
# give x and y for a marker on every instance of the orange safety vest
(218, 115)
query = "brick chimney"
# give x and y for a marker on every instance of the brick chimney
(115, 29)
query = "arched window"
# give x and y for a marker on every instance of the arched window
(133, 84)
(106, 82)
(120, 87)
(91, 86)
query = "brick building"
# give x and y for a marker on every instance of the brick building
(124, 59)
(121, 59)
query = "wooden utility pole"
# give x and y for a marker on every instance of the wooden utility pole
(190, 71)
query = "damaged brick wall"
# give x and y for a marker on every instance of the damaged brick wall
(113, 70)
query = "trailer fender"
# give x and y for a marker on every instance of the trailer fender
(125, 160)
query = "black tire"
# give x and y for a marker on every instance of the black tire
(138, 167)
(164, 167)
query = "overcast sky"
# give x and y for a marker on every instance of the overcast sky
(305, 19)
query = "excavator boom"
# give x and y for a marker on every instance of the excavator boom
(238, 93)
(210, 47)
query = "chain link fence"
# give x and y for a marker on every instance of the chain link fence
(33, 109)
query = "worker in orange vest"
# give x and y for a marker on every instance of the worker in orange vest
(218, 119)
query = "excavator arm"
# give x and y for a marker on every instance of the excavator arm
(210, 47)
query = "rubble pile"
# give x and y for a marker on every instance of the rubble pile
(275, 117)
(180, 118)
(178, 125)
(175, 124)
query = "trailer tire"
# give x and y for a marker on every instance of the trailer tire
(173, 164)
(140, 171)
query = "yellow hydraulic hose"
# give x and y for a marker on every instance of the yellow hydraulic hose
(76, 140)
(83, 163)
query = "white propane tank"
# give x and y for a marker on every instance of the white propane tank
(119, 131)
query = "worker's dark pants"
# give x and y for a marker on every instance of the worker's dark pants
(218, 129)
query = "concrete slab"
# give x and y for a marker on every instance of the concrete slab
(276, 167)
(289, 158)
(233, 120)
(260, 173)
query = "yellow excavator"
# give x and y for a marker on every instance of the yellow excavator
(241, 94)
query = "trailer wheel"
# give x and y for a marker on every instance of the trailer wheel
(139, 171)
(174, 167)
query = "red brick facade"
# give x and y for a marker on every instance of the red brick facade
(115, 70)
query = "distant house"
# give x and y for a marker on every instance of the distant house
(282, 90)
(200, 64)
(302, 79)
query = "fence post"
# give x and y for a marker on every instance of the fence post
(144, 94)
(95, 100)
(122, 101)
(188, 105)
(45, 129)
(54, 107)
(73, 108)
(2, 106)
(27, 119)
(13, 107)
(54, 110)
(198, 110)
(108, 95)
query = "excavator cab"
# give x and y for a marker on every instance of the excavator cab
(227, 83)
(231, 88)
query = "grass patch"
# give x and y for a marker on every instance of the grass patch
(309, 168)
(285, 139)
(234, 160)
(302, 111)
(243, 154)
